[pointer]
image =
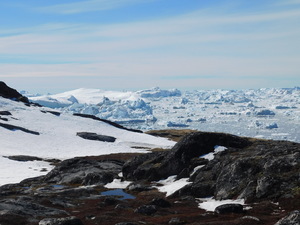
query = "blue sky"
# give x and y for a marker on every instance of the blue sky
(58, 45)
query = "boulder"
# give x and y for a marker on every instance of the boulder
(84, 171)
(229, 208)
(95, 137)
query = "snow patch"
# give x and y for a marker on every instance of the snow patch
(15, 171)
(118, 184)
(171, 185)
(210, 204)
(210, 156)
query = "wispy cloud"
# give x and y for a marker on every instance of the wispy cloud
(201, 44)
(289, 2)
(88, 6)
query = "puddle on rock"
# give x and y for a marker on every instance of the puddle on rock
(119, 193)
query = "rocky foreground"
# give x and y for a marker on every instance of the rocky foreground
(263, 172)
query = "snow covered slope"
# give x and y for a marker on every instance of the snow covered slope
(272, 113)
(36, 131)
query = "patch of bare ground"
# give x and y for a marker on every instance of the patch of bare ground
(185, 210)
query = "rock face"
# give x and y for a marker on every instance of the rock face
(158, 166)
(250, 168)
(7, 92)
(84, 172)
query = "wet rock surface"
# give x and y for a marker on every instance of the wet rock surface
(264, 173)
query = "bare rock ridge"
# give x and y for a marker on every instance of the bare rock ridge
(106, 121)
(157, 166)
(252, 169)
(7, 92)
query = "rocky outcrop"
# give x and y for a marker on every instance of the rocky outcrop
(14, 128)
(161, 165)
(7, 92)
(251, 169)
(84, 172)
(95, 137)
(25, 207)
(106, 121)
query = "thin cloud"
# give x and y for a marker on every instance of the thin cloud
(289, 2)
(237, 45)
(88, 6)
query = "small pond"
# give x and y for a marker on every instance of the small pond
(119, 193)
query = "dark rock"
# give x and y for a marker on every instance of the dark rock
(146, 209)
(24, 158)
(160, 202)
(52, 112)
(9, 218)
(4, 119)
(14, 128)
(84, 171)
(140, 167)
(106, 121)
(250, 168)
(61, 221)
(292, 218)
(7, 92)
(266, 169)
(229, 208)
(5, 113)
(158, 166)
(95, 137)
(28, 209)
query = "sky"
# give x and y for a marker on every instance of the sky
(59, 45)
